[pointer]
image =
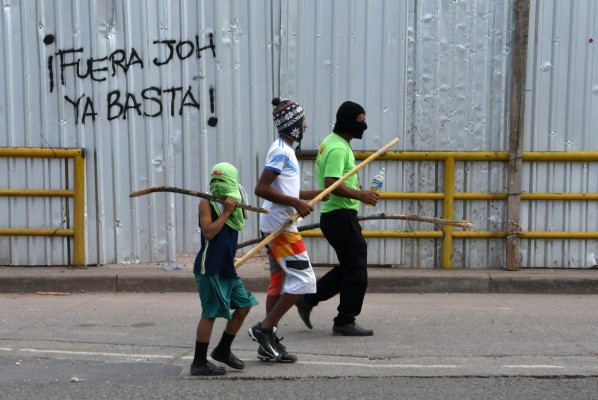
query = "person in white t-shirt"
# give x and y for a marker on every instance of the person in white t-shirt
(291, 273)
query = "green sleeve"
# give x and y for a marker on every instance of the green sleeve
(335, 164)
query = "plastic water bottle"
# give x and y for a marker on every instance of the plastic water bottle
(172, 267)
(377, 183)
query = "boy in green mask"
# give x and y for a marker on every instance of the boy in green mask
(220, 288)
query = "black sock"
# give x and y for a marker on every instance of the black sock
(201, 353)
(225, 342)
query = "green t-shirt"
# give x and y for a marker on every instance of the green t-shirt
(335, 158)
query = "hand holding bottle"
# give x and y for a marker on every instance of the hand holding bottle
(369, 198)
(376, 185)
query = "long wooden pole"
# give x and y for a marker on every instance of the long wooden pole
(203, 195)
(516, 136)
(313, 201)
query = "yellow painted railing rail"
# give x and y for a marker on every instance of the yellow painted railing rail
(78, 195)
(448, 196)
(487, 196)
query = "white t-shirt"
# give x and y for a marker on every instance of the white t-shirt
(282, 160)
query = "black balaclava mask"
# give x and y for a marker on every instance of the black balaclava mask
(288, 118)
(346, 120)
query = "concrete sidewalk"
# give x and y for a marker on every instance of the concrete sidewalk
(161, 277)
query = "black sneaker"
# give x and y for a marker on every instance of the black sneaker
(229, 359)
(263, 356)
(266, 339)
(285, 357)
(207, 369)
(351, 329)
(304, 310)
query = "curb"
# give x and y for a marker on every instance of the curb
(537, 284)
(256, 279)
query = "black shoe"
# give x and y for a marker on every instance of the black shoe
(284, 357)
(304, 311)
(229, 359)
(207, 369)
(351, 329)
(266, 339)
(263, 356)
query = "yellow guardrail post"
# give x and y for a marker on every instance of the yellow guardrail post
(79, 211)
(448, 204)
(78, 195)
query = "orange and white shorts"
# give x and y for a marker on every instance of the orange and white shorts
(290, 269)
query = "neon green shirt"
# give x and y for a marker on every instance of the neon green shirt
(335, 158)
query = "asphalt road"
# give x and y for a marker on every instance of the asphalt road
(425, 346)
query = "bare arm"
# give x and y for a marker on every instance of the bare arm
(210, 228)
(310, 194)
(265, 190)
(365, 196)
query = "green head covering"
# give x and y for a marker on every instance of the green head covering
(228, 187)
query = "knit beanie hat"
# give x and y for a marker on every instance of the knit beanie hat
(288, 118)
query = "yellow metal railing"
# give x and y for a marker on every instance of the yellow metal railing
(448, 196)
(78, 195)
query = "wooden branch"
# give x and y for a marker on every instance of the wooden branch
(406, 217)
(420, 218)
(203, 195)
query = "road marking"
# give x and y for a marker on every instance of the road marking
(329, 363)
(92, 353)
(347, 364)
(344, 364)
(532, 366)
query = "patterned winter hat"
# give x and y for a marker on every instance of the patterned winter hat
(288, 118)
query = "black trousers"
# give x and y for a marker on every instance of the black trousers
(349, 278)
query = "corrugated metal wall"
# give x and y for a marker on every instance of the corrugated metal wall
(561, 115)
(434, 72)
(144, 106)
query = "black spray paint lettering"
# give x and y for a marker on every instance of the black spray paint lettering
(97, 68)
(88, 110)
(210, 46)
(183, 49)
(51, 72)
(118, 107)
(48, 40)
(150, 96)
(213, 121)
(153, 100)
(118, 57)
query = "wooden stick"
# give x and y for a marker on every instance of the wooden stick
(203, 195)
(407, 217)
(420, 218)
(313, 201)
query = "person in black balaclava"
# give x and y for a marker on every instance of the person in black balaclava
(340, 226)
(348, 121)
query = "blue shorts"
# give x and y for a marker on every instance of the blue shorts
(219, 294)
